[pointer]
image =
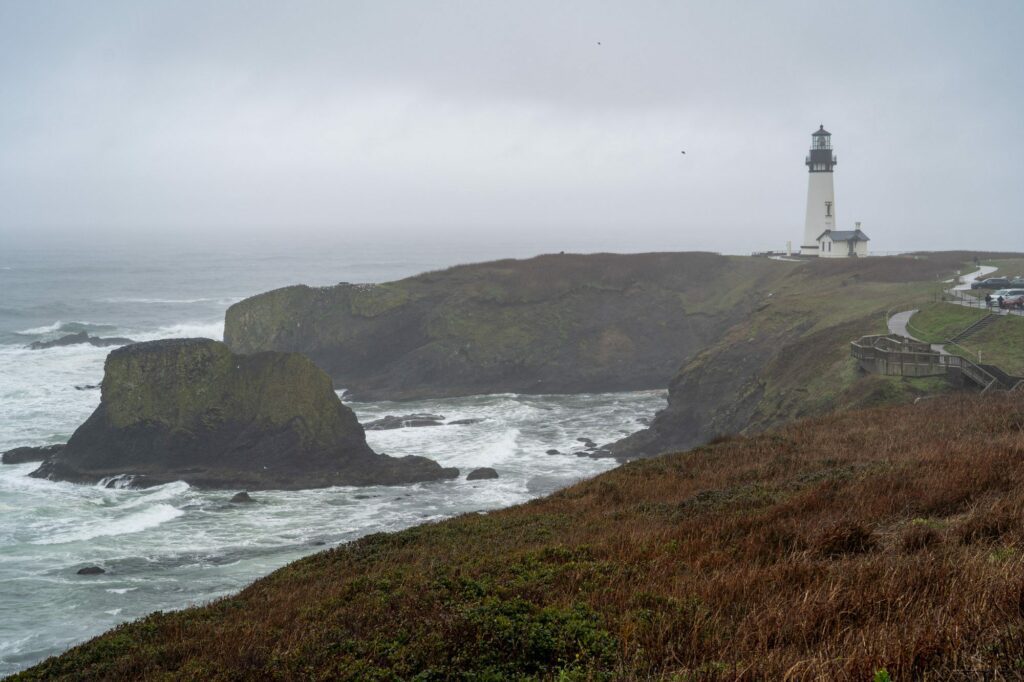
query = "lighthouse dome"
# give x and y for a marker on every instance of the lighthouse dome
(820, 132)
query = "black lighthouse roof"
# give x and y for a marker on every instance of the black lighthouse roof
(820, 132)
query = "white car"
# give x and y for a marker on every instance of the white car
(1007, 293)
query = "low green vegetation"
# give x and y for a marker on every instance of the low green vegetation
(875, 544)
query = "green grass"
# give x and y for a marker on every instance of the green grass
(939, 322)
(1000, 344)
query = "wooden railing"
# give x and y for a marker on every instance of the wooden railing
(893, 355)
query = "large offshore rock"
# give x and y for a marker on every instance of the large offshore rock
(190, 409)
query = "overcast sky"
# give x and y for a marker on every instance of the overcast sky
(558, 120)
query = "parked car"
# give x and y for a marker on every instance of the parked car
(1014, 302)
(991, 283)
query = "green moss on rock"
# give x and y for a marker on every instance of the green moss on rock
(190, 409)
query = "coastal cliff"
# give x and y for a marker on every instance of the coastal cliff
(190, 409)
(552, 324)
(790, 358)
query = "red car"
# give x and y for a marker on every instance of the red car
(1012, 302)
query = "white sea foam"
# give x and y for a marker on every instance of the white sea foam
(60, 326)
(167, 491)
(119, 482)
(132, 523)
(185, 330)
(35, 331)
(172, 301)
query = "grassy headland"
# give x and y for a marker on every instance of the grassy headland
(829, 549)
(561, 323)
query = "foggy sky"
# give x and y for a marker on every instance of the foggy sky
(485, 119)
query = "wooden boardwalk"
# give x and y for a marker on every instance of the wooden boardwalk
(895, 355)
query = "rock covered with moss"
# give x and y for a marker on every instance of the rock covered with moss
(190, 409)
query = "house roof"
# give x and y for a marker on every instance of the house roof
(844, 236)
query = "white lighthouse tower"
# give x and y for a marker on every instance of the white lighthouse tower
(821, 199)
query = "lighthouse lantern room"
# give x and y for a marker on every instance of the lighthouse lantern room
(821, 200)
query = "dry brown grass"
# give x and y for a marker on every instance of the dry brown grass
(825, 550)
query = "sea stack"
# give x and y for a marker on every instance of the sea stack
(191, 410)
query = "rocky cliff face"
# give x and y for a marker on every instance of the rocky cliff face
(790, 357)
(551, 324)
(190, 409)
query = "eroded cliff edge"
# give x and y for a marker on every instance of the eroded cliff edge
(790, 358)
(561, 323)
(190, 409)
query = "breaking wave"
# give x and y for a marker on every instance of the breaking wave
(132, 523)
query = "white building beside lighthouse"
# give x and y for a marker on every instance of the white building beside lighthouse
(821, 195)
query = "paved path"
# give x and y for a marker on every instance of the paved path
(965, 280)
(898, 325)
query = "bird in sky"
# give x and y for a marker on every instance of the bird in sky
(682, 152)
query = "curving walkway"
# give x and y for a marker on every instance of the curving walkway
(960, 298)
(965, 280)
(898, 324)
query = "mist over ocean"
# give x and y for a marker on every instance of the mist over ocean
(173, 546)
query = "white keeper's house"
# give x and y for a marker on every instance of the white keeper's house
(821, 238)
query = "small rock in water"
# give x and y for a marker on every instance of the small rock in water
(86, 387)
(318, 543)
(584, 440)
(30, 454)
(242, 498)
(464, 422)
(481, 474)
(552, 451)
(646, 421)
(80, 337)
(91, 570)
(395, 422)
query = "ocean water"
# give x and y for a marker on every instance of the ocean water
(173, 546)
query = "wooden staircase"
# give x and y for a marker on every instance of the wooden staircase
(974, 328)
